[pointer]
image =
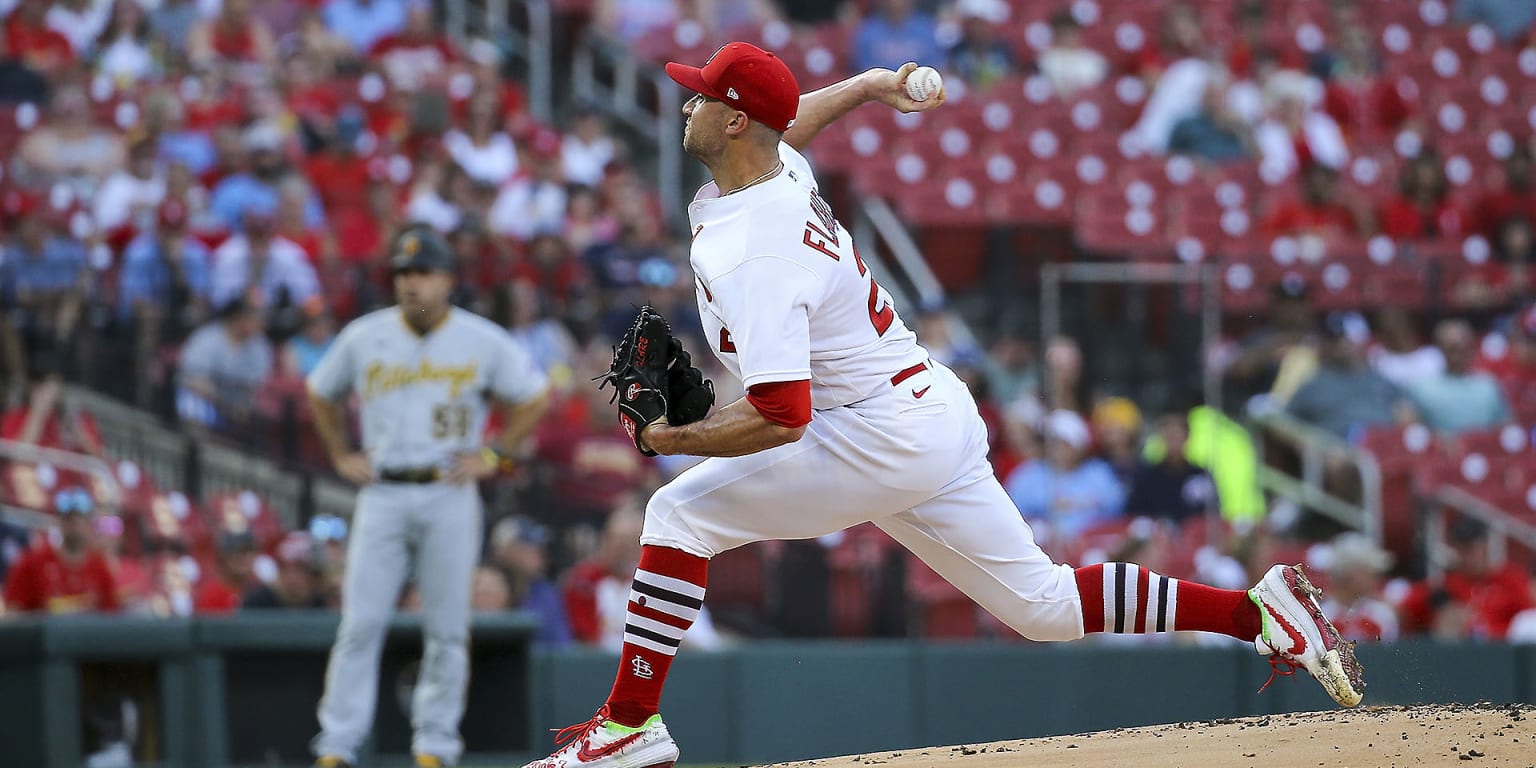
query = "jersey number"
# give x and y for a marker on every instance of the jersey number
(450, 421)
(880, 313)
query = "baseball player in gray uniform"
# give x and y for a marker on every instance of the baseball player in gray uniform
(424, 373)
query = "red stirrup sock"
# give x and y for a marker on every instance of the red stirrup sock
(1129, 599)
(664, 601)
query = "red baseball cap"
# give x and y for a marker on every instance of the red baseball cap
(747, 78)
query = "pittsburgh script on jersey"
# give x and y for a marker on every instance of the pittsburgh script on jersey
(382, 378)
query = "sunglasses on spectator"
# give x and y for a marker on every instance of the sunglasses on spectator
(73, 501)
(328, 528)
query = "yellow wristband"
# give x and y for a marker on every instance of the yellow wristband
(495, 458)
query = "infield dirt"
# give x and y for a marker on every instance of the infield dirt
(1368, 737)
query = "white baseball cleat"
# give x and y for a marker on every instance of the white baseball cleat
(602, 743)
(1296, 633)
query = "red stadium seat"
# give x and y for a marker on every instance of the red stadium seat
(1043, 199)
(245, 512)
(1510, 440)
(943, 611)
(738, 586)
(1105, 223)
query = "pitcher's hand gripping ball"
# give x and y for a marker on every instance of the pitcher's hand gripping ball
(923, 83)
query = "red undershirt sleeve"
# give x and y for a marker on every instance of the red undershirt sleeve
(785, 403)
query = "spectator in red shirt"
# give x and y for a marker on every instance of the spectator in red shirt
(1474, 598)
(1515, 365)
(135, 580)
(219, 590)
(561, 277)
(1516, 200)
(343, 164)
(232, 37)
(362, 232)
(1357, 95)
(1422, 208)
(1319, 211)
(47, 418)
(28, 38)
(587, 471)
(594, 586)
(419, 55)
(69, 577)
(484, 61)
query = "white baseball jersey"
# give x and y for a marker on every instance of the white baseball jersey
(423, 397)
(784, 296)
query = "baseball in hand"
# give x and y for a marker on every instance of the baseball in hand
(923, 83)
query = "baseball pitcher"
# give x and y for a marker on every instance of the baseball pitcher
(424, 373)
(846, 419)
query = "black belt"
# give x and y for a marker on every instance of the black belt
(416, 475)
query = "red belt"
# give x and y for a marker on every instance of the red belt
(907, 373)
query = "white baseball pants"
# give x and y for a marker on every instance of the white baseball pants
(438, 527)
(913, 460)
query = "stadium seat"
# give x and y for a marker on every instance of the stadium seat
(1043, 199)
(738, 587)
(1106, 224)
(942, 610)
(245, 512)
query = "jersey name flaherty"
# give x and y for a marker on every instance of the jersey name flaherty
(784, 295)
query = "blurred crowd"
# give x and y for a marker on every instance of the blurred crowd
(196, 195)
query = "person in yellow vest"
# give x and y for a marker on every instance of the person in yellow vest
(1223, 448)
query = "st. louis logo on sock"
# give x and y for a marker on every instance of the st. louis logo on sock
(641, 668)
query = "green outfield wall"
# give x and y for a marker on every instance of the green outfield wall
(242, 690)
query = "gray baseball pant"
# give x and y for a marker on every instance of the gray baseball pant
(438, 526)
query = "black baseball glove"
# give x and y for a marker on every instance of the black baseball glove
(653, 378)
(689, 394)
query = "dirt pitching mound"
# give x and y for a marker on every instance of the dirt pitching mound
(1369, 737)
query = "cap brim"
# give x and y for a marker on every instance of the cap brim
(691, 78)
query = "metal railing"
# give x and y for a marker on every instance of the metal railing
(531, 47)
(1316, 448)
(606, 74)
(914, 285)
(1054, 276)
(202, 466)
(1502, 527)
(106, 488)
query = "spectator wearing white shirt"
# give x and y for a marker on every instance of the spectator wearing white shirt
(587, 149)
(1177, 95)
(123, 49)
(1069, 65)
(262, 268)
(534, 203)
(132, 193)
(80, 22)
(1296, 121)
(428, 201)
(1398, 354)
(483, 150)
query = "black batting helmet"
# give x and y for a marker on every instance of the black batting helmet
(420, 247)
